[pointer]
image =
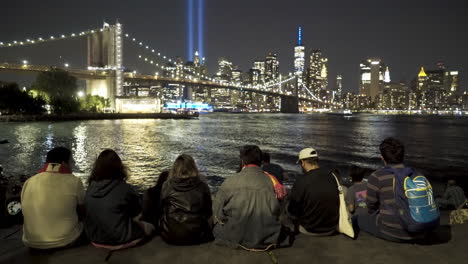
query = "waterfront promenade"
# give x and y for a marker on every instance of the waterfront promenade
(447, 246)
(98, 116)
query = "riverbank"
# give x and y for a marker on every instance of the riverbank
(100, 116)
(446, 246)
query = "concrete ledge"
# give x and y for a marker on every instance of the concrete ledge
(331, 250)
(75, 117)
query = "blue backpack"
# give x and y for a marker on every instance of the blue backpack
(414, 200)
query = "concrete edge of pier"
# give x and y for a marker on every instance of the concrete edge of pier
(447, 246)
(100, 116)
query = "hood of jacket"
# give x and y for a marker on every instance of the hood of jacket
(185, 184)
(99, 189)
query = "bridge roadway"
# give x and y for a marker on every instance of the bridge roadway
(210, 84)
(78, 73)
(104, 74)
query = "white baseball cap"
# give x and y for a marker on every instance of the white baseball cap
(307, 153)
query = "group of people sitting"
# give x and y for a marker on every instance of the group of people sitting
(251, 209)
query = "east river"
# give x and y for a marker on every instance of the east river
(438, 145)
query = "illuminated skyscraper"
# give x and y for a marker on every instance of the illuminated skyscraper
(317, 73)
(224, 73)
(387, 76)
(299, 58)
(196, 59)
(452, 81)
(422, 80)
(339, 87)
(260, 66)
(271, 68)
(372, 77)
(324, 74)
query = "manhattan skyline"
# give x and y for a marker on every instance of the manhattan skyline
(405, 35)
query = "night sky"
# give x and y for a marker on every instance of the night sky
(405, 34)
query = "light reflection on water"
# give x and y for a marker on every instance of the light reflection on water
(149, 146)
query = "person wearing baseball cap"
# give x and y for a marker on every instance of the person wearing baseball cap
(314, 203)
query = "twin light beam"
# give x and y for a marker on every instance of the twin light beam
(191, 26)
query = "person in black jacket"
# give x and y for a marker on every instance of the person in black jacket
(112, 205)
(186, 205)
(314, 202)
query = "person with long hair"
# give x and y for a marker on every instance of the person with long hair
(186, 205)
(112, 205)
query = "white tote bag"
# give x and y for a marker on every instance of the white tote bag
(345, 225)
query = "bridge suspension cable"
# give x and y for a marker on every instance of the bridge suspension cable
(165, 58)
(192, 73)
(37, 40)
(311, 94)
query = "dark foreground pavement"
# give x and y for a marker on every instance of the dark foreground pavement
(449, 245)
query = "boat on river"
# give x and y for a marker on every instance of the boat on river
(345, 112)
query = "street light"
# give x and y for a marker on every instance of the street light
(25, 62)
(80, 94)
(66, 65)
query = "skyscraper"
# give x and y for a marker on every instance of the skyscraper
(372, 78)
(271, 68)
(339, 87)
(387, 76)
(324, 74)
(299, 58)
(260, 66)
(315, 71)
(422, 80)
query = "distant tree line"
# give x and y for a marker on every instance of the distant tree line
(56, 88)
(15, 101)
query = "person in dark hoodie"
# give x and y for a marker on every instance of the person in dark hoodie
(186, 205)
(112, 205)
(152, 210)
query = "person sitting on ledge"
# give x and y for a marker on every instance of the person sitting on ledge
(52, 204)
(382, 219)
(274, 169)
(152, 210)
(357, 193)
(113, 206)
(246, 208)
(314, 202)
(453, 197)
(186, 205)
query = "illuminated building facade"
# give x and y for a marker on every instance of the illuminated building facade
(271, 68)
(371, 79)
(221, 97)
(338, 92)
(394, 96)
(260, 66)
(299, 59)
(317, 73)
(254, 77)
(437, 89)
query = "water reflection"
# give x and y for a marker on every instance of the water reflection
(148, 147)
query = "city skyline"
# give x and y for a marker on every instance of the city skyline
(342, 61)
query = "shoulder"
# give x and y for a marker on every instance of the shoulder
(352, 188)
(124, 186)
(380, 172)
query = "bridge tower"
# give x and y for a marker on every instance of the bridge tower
(290, 103)
(105, 53)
